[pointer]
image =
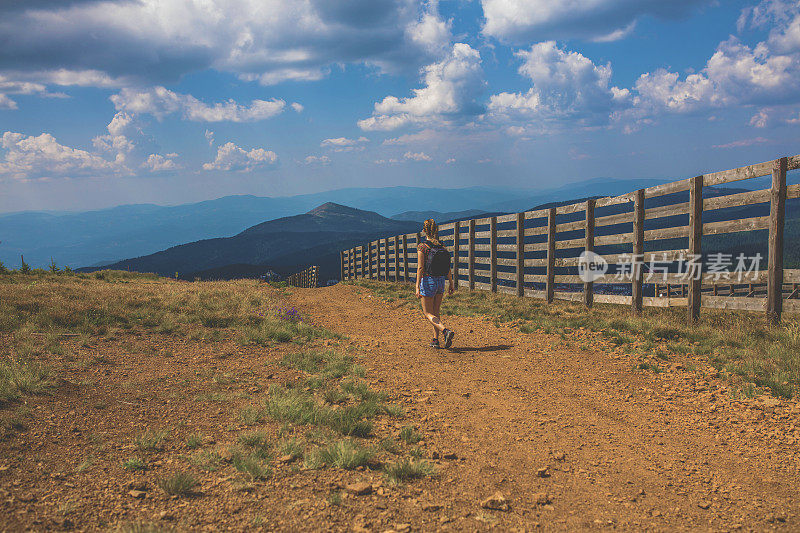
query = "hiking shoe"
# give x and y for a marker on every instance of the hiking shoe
(435, 343)
(448, 337)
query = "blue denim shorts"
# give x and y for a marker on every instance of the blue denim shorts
(432, 285)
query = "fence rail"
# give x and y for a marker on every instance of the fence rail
(536, 253)
(305, 279)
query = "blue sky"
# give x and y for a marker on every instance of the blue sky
(171, 101)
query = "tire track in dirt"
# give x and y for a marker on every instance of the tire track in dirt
(642, 451)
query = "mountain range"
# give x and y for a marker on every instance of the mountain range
(285, 245)
(106, 236)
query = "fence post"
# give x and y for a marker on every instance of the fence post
(493, 254)
(588, 287)
(638, 253)
(388, 264)
(386, 259)
(472, 255)
(405, 258)
(520, 254)
(363, 261)
(351, 262)
(695, 247)
(396, 259)
(341, 265)
(551, 255)
(456, 249)
(777, 211)
(372, 274)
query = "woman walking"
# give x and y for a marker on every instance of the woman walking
(433, 268)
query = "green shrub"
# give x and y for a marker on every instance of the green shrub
(179, 484)
(151, 440)
(409, 435)
(406, 469)
(343, 454)
(193, 441)
(134, 463)
(251, 465)
(290, 447)
(254, 439)
(20, 376)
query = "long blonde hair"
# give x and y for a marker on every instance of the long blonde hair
(431, 231)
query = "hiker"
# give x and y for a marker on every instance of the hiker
(433, 268)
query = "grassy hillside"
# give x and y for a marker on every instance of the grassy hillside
(331, 226)
(182, 389)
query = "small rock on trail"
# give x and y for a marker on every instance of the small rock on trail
(496, 502)
(359, 489)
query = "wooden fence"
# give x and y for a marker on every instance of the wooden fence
(305, 279)
(536, 253)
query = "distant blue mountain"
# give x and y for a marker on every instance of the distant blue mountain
(439, 217)
(597, 187)
(281, 243)
(109, 235)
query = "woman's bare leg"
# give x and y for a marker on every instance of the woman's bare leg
(437, 305)
(428, 303)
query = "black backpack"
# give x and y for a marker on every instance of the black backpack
(437, 262)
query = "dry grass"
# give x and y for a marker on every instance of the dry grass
(739, 344)
(39, 308)
(96, 305)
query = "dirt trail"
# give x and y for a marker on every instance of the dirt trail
(623, 447)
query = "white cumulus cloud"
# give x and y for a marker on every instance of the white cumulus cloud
(765, 75)
(160, 163)
(158, 41)
(231, 157)
(33, 157)
(565, 85)
(417, 156)
(160, 102)
(451, 90)
(343, 144)
(6, 102)
(604, 20)
(14, 86)
(314, 160)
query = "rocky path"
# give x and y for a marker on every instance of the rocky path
(572, 439)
